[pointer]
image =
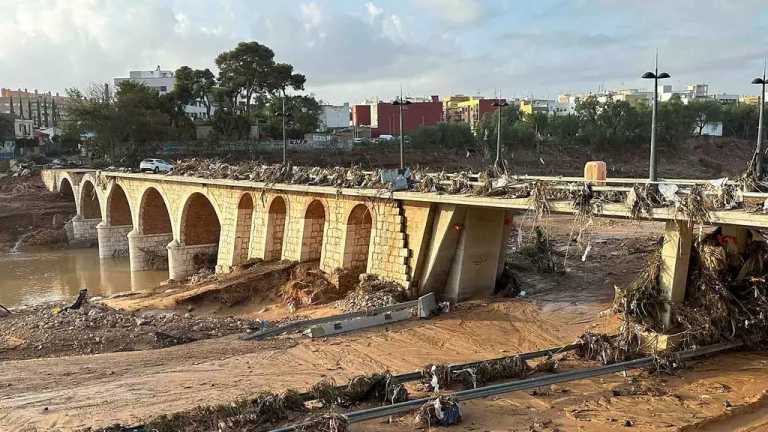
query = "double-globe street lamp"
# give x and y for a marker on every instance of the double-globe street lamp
(401, 103)
(656, 76)
(759, 147)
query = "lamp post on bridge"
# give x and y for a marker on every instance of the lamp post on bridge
(500, 103)
(285, 116)
(401, 102)
(759, 147)
(656, 76)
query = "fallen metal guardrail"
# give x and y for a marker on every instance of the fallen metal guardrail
(414, 376)
(298, 326)
(525, 384)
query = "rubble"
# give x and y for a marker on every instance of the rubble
(372, 293)
(53, 330)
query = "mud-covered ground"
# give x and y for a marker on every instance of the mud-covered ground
(55, 393)
(30, 212)
(49, 331)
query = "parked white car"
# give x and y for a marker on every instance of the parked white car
(155, 165)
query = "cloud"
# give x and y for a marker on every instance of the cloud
(428, 46)
(457, 11)
(373, 11)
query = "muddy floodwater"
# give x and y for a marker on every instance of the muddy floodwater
(40, 276)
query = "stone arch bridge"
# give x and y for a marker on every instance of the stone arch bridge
(176, 222)
(449, 244)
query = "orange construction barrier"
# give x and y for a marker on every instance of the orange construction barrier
(595, 172)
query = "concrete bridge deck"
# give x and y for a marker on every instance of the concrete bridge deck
(451, 244)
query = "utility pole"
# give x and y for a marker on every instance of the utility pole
(400, 103)
(499, 104)
(759, 147)
(285, 142)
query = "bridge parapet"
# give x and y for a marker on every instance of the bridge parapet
(446, 243)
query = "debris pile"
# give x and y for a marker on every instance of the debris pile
(441, 411)
(439, 376)
(372, 293)
(53, 330)
(264, 408)
(377, 387)
(331, 422)
(726, 296)
(604, 348)
(309, 287)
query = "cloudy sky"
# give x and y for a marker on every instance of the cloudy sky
(351, 50)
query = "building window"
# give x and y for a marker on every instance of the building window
(163, 88)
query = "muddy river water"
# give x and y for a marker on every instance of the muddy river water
(40, 276)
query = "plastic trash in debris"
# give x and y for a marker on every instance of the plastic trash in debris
(669, 192)
(442, 411)
(395, 179)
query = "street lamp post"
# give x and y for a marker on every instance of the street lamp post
(656, 76)
(500, 103)
(759, 147)
(284, 116)
(401, 102)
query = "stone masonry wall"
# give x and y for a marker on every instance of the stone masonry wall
(312, 239)
(181, 259)
(388, 253)
(242, 235)
(140, 246)
(113, 240)
(85, 229)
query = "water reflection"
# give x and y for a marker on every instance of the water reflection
(33, 277)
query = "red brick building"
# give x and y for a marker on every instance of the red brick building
(384, 117)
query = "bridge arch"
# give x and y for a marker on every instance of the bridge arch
(199, 221)
(313, 231)
(65, 188)
(243, 229)
(118, 207)
(358, 238)
(277, 214)
(154, 217)
(90, 207)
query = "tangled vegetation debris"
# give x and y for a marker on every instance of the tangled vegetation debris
(726, 297)
(441, 411)
(439, 376)
(331, 422)
(377, 387)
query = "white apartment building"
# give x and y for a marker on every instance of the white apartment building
(335, 116)
(163, 81)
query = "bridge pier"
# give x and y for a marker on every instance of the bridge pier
(184, 260)
(148, 251)
(476, 262)
(113, 240)
(675, 257)
(84, 230)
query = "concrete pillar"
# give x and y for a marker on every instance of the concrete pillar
(143, 247)
(735, 238)
(475, 264)
(675, 257)
(84, 230)
(113, 240)
(446, 227)
(509, 219)
(181, 258)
